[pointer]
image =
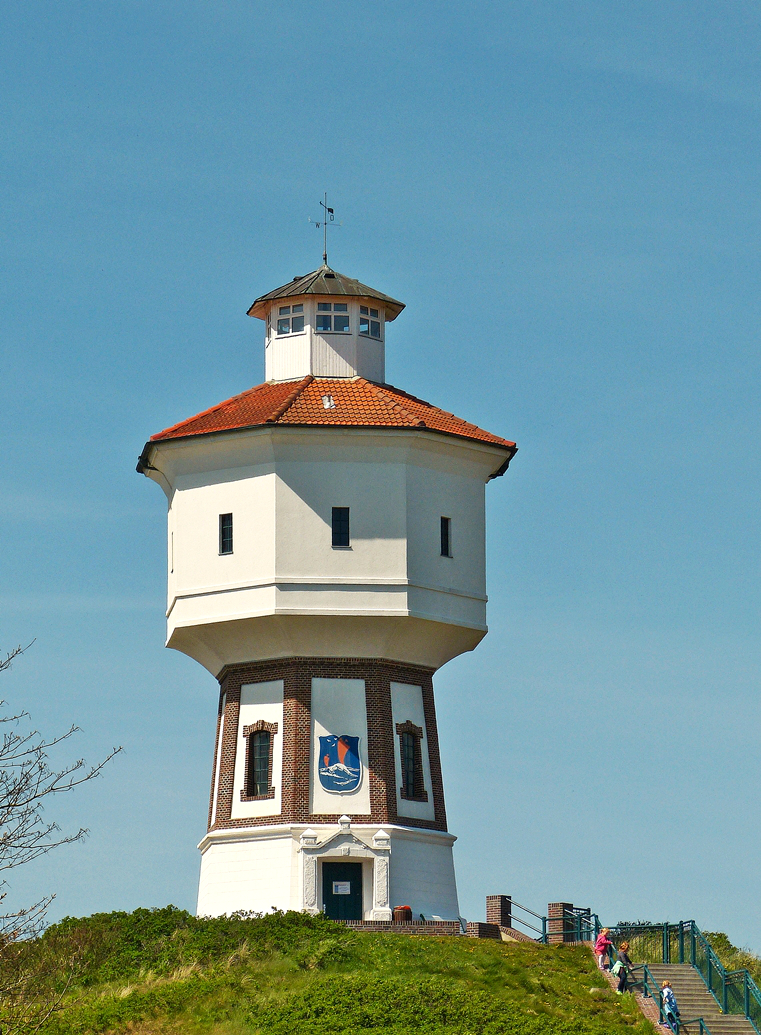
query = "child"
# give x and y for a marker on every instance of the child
(603, 945)
(622, 966)
(668, 1004)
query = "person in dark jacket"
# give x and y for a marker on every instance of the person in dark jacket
(624, 968)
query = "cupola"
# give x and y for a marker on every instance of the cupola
(327, 325)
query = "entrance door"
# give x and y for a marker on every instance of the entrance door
(342, 890)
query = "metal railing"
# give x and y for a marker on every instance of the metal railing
(540, 931)
(735, 991)
(575, 925)
(580, 925)
(651, 989)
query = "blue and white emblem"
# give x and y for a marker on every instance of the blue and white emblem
(340, 768)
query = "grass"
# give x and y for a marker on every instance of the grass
(732, 957)
(165, 971)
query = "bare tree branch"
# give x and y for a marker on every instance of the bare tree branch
(31, 988)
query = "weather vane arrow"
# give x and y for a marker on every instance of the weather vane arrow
(328, 220)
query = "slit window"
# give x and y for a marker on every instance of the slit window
(225, 533)
(446, 537)
(341, 526)
(290, 319)
(369, 321)
(333, 316)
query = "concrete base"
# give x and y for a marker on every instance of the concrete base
(280, 867)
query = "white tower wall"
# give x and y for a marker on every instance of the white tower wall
(284, 581)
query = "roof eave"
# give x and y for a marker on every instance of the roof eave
(144, 464)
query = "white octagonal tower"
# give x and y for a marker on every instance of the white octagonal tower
(326, 542)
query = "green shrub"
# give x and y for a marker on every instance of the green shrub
(163, 970)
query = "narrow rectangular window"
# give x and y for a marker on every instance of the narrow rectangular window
(257, 781)
(340, 526)
(446, 537)
(259, 763)
(409, 743)
(225, 533)
(411, 758)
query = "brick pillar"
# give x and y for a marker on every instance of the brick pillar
(498, 910)
(557, 924)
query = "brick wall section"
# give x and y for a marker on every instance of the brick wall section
(430, 927)
(479, 930)
(434, 758)
(556, 922)
(297, 675)
(499, 910)
(214, 763)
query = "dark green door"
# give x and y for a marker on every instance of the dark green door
(342, 890)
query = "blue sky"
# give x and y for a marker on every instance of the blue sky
(566, 197)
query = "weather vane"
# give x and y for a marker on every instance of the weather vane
(328, 219)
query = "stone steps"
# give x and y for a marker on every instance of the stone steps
(695, 1000)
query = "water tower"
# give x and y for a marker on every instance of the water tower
(326, 546)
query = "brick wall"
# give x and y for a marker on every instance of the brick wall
(430, 927)
(297, 675)
(499, 910)
(479, 930)
(558, 927)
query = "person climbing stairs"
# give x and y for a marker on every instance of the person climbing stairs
(695, 1000)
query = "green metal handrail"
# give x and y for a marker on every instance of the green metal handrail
(735, 991)
(651, 990)
(542, 932)
(581, 924)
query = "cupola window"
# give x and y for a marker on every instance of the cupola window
(290, 319)
(369, 321)
(333, 316)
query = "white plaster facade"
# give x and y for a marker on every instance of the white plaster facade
(285, 590)
(407, 706)
(338, 707)
(280, 867)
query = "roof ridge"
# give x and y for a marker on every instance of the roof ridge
(211, 409)
(290, 399)
(393, 404)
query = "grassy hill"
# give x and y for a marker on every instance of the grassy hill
(164, 971)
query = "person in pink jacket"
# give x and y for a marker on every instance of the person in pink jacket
(603, 945)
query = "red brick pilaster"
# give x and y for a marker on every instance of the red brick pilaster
(297, 675)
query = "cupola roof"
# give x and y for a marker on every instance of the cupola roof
(322, 401)
(325, 281)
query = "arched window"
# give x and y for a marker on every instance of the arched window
(259, 739)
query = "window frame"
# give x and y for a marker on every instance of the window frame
(287, 314)
(327, 311)
(411, 734)
(226, 535)
(337, 531)
(371, 318)
(249, 732)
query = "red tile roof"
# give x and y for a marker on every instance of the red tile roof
(358, 403)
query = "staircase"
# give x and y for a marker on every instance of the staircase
(694, 1000)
